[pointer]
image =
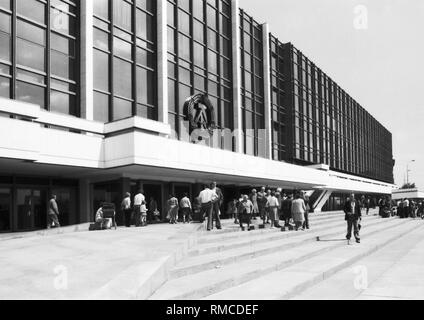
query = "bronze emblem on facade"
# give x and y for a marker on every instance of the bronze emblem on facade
(201, 113)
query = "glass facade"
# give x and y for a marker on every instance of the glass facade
(125, 62)
(329, 126)
(39, 53)
(252, 86)
(314, 121)
(200, 60)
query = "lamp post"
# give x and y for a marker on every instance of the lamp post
(408, 171)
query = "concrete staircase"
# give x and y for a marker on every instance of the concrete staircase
(270, 264)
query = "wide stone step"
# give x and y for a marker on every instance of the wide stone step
(250, 238)
(201, 263)
(208, 282)
(291, 281)
(232, 231)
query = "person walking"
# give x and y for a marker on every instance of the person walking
(262, 201)
(53, 213)
(254, 200)
(267, 208)
(406, 208)
(139, 200)
(273, 207)
(245, 212)
(353, 216)
(217, 204)
(154, 210)
(367, 205)
(172, 210)
(207, 198)
(126, 209)
(401, 211)
(280, 197)
(307, 210)
(143, 211)
(286, 208)
(298, 211)
(186, 208)
(232, 210)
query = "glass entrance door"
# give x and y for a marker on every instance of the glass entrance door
(31, 209)
(5, 210)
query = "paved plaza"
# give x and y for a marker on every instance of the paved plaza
(184, 262)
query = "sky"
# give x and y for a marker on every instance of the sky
(372, 49)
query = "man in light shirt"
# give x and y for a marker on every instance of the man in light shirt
(207, 198)
(139, 200)
(406, 208)
(126, 209)
(185, 206)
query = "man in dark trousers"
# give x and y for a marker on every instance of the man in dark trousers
(217, 204)
(286, 209)
(53, 214)
(353, 214)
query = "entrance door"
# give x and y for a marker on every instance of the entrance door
(31, 209)
(5, 210)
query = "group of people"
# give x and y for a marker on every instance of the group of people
(410, 209)
(181, 208)
(135, 211)
(272, 206)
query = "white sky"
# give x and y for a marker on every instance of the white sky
(381, 67)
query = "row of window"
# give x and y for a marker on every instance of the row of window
(125, 60)
(278, 101)
(39, 54)
(332, 128)
(252, 86)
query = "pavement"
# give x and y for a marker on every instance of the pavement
(122, 264)
(395, 272)
(183, 261)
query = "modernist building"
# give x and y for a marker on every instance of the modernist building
(100, 97)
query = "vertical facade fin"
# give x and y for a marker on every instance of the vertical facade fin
(87, 69)
(238, 126)
(162, 37)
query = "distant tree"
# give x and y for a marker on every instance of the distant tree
(408, 186)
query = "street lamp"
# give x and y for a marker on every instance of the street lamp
(408, 171)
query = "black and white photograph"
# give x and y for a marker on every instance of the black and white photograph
(211, 151)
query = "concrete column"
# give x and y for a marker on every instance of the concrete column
(267, 91)
(85, 209)
(87, 60)
(238, 124)
(162, 54)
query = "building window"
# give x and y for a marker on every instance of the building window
(252, 86)
(125, 59)
(45, 69)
